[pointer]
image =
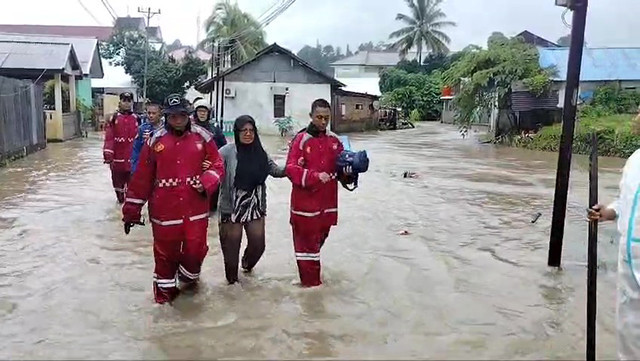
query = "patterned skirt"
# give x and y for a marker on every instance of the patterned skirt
(247, 206)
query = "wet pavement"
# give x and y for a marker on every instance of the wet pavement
(468, 281)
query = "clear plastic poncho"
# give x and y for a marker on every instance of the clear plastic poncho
(628, 296)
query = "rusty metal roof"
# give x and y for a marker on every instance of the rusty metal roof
(598, 64)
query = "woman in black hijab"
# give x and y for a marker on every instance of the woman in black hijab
(243, 197)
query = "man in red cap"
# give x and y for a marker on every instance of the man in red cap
(120, 132)
(170, 176)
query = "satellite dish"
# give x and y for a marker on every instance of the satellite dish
(376, 104)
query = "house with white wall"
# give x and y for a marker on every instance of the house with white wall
(361, 72)
(274, 84)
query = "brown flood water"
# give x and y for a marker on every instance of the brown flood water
(469, 282)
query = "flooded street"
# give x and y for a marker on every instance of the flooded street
(469, 281)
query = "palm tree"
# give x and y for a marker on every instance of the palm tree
(423, 28)
(235, 31)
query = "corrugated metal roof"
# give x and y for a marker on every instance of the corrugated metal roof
(598, 64)
(86, 49)
(103, 33)
(36, 55)
(375, 58)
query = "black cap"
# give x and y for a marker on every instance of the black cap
(126, 95)
(175, 104)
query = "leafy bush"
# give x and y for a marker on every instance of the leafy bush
(415, 116)
(615, 137)
(411, 92)
(615, 101)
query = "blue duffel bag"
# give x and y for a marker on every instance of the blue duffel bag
(359, 163)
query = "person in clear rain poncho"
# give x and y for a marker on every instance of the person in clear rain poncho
(626, 212)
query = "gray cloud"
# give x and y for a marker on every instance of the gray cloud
(342, 22)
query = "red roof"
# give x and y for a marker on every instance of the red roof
(101, 32)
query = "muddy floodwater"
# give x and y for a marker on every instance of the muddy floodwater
(468, 281)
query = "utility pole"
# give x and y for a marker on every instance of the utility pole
(578, 26)
(149, 14)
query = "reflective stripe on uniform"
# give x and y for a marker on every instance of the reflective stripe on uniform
(199, 216)
(192, 276)
(108, 151)
(304, 177)
(134, 200)
(306, 214)
(119, 160)
(215, 174)
(167, 223)
(308, 256)
(165, 282)
(121, 190)
(331, 210)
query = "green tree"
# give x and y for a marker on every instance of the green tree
(417, 92)
(165, 75)
(321, 57)
(235, 30)
(423, 30)
(484, 74)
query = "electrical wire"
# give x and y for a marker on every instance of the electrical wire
(113, 11)
(89, 12)
(564, 19)
(28, 87)
(269, 18)
(108, 10)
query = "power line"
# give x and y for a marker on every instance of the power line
(89, 12)
(113, 11)
(108, 9)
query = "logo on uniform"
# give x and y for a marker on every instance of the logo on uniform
(199, 146)
(159, 147)
(309, 150)
(335, 146)
(116, 122)
(301, 161)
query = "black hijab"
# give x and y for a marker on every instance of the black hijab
(253, 164)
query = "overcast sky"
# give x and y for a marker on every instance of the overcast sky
(341, 22)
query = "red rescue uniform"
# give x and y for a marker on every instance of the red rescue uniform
(314, 205)
(120, 133)
(170, 165)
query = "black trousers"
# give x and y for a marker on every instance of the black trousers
(230, 242)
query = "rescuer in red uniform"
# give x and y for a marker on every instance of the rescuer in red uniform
(311, 167)
(121, 130)
(171, 177)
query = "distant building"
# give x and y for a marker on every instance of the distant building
(354, 112)
(361, 72)
(87, 50)
(35, 61)
(600, 66)
(275, 84)
(538, 41)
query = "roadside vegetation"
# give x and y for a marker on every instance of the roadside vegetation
(610, 115)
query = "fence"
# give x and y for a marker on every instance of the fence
(22, 124)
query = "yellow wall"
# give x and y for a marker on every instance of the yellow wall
(54, 125)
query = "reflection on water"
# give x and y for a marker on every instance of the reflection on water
(468, 278)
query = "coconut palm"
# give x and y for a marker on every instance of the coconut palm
(424, 28)
(236, 31)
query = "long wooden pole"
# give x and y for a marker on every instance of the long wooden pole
(592, 255)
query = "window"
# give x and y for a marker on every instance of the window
(359, 106)
(278, 106)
